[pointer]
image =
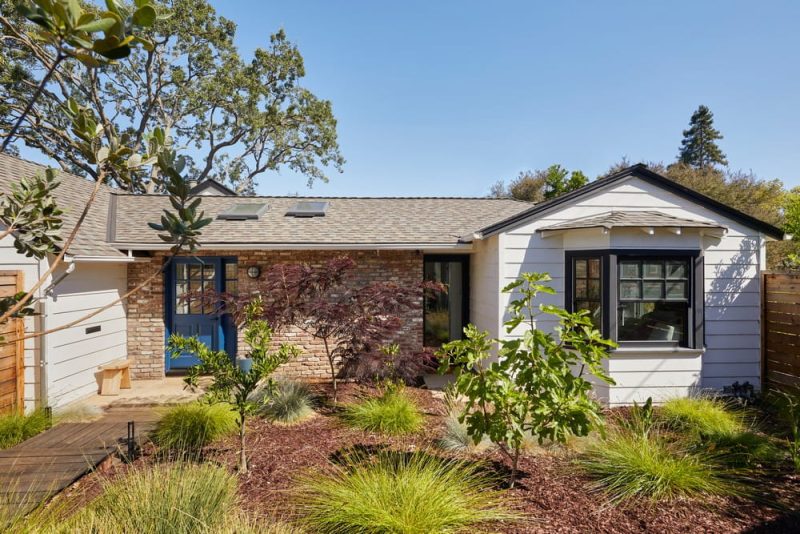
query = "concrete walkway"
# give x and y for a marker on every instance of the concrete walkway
(49, 462)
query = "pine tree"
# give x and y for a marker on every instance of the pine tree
(698, 148)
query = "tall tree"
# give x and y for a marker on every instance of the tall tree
(699, 148)
(238, 117)
(539, 185)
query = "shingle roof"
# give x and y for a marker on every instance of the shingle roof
(638, 219)
(71, 197)
(348, 220)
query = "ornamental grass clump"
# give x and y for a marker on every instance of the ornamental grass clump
(392, 413)
(701, 416)
(455, 438)
(399, 493)
(288, 402)
(628, 465)
(16, 428)
(712, 425)
(180, 498)
(190, 427)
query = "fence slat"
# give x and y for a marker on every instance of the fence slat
(780, 330)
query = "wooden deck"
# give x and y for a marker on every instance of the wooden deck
(49, 462)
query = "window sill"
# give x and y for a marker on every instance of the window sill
(666, 351)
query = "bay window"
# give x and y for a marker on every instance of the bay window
(640, 297)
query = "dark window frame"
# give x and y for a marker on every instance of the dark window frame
(695, 338)
(464, 259)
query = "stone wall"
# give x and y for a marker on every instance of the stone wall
(146, 326)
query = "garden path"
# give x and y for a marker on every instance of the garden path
(49, 462)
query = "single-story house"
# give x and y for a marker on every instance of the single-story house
(672, 275)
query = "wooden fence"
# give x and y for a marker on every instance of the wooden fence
(780, 328)
(12, 353)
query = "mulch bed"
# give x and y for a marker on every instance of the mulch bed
(550, 492)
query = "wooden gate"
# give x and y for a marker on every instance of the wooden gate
(780, 331)
(12, 353)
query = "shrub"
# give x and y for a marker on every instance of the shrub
(531, 384)
(742, 449)
(288, 402)
(232, 383)
(392, 413)
(456, 438)
(787, 407)
(190, 427)
(176, 498)
(710, 425)
(399, 493)
(701, 416)
(628, 465)
(16, 428)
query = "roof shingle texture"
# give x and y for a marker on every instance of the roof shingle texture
(71, 197)
(357, 221)
(611, 219)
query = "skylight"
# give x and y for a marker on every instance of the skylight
(306, 208)
(241, 212)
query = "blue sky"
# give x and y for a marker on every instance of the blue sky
(445, 98)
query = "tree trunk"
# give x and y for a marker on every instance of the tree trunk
(514, 463)
(242, 451)
(332, 366)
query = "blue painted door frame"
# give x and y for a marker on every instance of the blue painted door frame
(190, 318)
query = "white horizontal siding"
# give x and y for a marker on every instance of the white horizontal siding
(732, 263)
(75, 356)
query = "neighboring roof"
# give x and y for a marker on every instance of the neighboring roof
(212, 187)
(635, 219)
(639, 171)
(71, 197)
(348, 221)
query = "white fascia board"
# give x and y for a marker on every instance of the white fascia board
(102, 259)
(304, 246)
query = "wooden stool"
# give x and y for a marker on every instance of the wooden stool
(116, 375)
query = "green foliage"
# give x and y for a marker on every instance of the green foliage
(15, 428)
(701, 416)
(558, 181)
(69, 25)
(539, 185)
(243, 114)
(175, 498)
(698, 147)
(231, 384)
(392, 413)
(190, 427)
(787, 407)
(183, 226)
(710, 425)
(456, 438)
(627, 465)
(288, 402)
(531, 389)
(30, 210)
(401, 494)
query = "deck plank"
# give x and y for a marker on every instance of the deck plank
(44, 465)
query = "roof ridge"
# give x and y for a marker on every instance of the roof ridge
(304, 197)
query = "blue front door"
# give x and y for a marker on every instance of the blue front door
(192, 317)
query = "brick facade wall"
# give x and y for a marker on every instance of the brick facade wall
(146, 322)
